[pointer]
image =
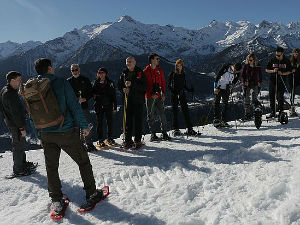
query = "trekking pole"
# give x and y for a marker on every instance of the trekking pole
(293, 92)
(124, 116)
(233, 109)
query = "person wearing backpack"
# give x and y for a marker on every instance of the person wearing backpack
(83, 90)
(105, 102)
(155, 97)
(177, 84)
(65, 136)
(227, 76)
(14, 116)
(251, 79)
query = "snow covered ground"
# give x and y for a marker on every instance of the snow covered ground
(240, 176)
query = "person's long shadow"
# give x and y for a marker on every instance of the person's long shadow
(108, 212)
(165, 158)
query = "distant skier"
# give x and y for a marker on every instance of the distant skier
(294, 78)
(105, 102)
(177, 86)
(278, 67)
(227, 76)
(155, 97)
(251, 79)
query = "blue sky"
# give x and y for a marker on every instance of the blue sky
(23, 20)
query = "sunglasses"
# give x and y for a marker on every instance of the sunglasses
(278, 55)
(75, 70)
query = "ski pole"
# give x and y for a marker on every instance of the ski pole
(124, 117)
(232, 108)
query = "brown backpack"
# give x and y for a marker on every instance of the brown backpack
(41, 103)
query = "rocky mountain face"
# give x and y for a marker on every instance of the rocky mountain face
(203, 50)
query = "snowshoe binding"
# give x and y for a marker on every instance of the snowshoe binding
(258, 117)
(283, 118)
(95, 198)
(58, 208)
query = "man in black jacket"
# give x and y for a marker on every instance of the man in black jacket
(278, 68)
(105, 103)
(133, 84)
(14, 117)
(83, 91)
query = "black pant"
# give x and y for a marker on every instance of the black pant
(18, 150)
(134, 113)
(108, 111)
(273, 94)
(176, 99)
(70, 142)
(224, 94)
(293, 84)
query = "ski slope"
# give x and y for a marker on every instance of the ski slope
(228, 177)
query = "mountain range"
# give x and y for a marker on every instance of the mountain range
(203, 49)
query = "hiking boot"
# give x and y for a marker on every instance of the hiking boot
(177, 132)
(217, 123)
(271, 115)
(93, 199)
(111, 142)
(191, 132)
(127, 144)
(224, 124)
(165, 136)
(31, 165)
(293, 112)
(154, 137)
(58, 206)
(101, 144)
(26, 172)
(138, 144)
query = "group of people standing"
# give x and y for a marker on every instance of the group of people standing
(139, 87)
(250, 75)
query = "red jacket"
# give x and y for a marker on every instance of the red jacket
(154, 76)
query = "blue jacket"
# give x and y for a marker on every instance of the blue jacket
(68, 103)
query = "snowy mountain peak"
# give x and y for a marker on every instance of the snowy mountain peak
(265, 24)
(126, 19)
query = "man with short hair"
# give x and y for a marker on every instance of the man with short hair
(67, 138)
(133, 84)
(278, 67)
(83, 91)
(155, 97)
(14, 116)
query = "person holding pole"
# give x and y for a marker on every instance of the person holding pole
(133, 84)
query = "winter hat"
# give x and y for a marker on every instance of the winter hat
(103, 69)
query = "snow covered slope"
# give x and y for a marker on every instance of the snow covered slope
(224, 177)
(11, 48)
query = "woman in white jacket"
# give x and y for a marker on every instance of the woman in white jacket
(227, 76)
